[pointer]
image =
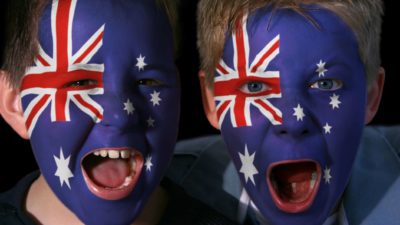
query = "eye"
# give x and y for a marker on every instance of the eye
(82, 83)
(253, 87)
(327, 84)
(149, 82)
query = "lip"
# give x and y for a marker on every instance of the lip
(124, 189)
(302, 203)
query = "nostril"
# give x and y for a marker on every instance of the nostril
(294, 132)
(283, 132)
(106, 125)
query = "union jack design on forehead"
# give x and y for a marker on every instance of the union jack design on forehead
(226, 82)
(48, 77)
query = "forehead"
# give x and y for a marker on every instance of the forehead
(303, 42)
(131, 27)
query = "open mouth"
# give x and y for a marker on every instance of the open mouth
(112, 174)
(294, 184)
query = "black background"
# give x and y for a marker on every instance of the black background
(16, 158)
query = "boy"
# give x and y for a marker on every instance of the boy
(100, 105)
(290, 84)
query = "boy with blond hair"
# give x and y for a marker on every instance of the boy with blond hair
(291, 85)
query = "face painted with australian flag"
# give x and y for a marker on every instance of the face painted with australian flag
(101, 105)
(290, 95)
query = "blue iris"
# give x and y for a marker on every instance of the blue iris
(254, 86)
(325, 84)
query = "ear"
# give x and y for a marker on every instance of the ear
(10, 107)
(375, 90)
(207, 96)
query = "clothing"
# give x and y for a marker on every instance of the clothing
(203, 168)
(181, 208)
(12, 211)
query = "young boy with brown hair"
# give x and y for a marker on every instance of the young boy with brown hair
(93, 86)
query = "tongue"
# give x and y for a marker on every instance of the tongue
(293, 181)
(110, 173)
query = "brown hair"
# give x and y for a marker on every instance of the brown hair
(171, 8)
(21, 37)
(22, 24)
(216, 18)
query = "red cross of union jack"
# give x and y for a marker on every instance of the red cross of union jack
(48, 77)
(231, 99)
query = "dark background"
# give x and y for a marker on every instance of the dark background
(16, 158)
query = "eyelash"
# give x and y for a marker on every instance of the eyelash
(80, 83)
(245, 87)
(149, 82)
(335, 85)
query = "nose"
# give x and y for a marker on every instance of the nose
(292, 130)
(119, 111)
(297, 122)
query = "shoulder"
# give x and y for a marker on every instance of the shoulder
(379, 153)
(189, 154)
(203, 168)
(11, 202)
(373, 193)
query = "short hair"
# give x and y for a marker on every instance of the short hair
(216, 18)
(21, 47)
(22, 25)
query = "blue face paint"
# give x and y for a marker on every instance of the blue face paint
(291, 101)
(101, 105)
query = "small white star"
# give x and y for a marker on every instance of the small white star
(128, 107)
(334, 101)
(148, 163)
(327, 175)
(248, 169)
(150, 122)
(327, 128)
(63, 171)
(155, 98)
(321, 68)
(299, 113)
(140, 62)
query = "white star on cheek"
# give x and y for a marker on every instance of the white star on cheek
(150, 122)
(63, 171)
(327, 128)
(327, 175)
(335, 102)
(128, 107)
(321, 68)
(248, 169)
(155, 98)
(298, 112)
(148, 163)
(140, 62)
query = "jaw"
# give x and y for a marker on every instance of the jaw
(112, 173)
(294, 184)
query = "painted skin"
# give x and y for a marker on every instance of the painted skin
(104, 121)
(295, 125)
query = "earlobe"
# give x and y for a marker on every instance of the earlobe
(11, 108)
(374, 95)
(207, 95)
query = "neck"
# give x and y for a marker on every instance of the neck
(41, 200)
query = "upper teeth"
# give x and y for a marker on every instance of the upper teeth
(313, 179)
(113, 154)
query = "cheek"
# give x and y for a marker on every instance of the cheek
(161, 120)
(48, 136)
(346, 122)
(348, 125)
(250, 137)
